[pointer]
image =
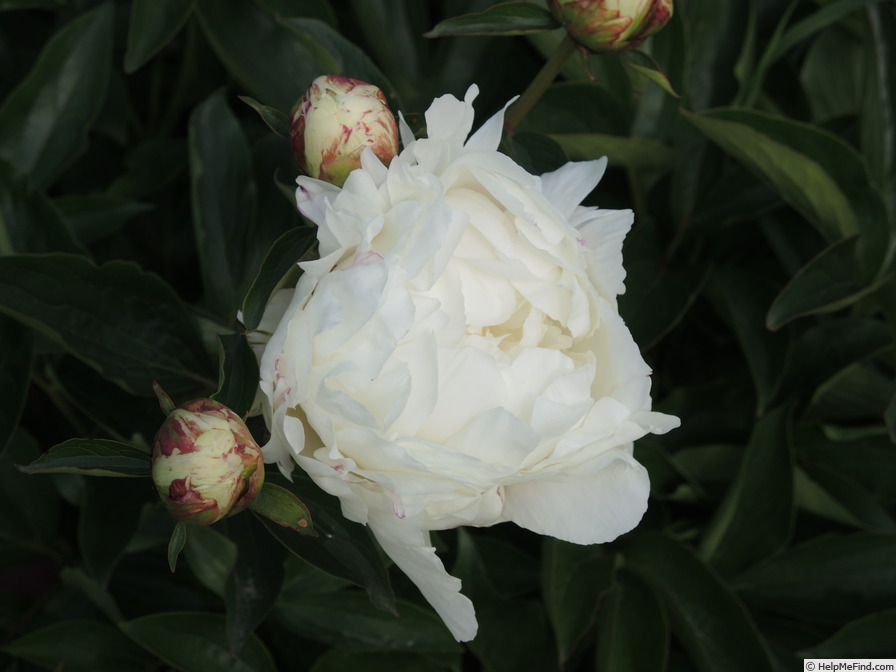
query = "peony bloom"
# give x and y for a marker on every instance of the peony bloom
(611, 25)
(455, 357)
(335, 121)
(205, 464)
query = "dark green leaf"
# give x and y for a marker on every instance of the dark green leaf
(574, 578)
(347, 617)
(877, 115)
(223, 201)
(15, 374)
(342, 659)
(211, 557)
(657, 297)
(867, 637)
(277, 120)
(279, 269)
(93, 457)
(343, 548)
(110, 510)
(154, 23)
(832, 74)
(255, 581)
(30, 505)
(536, 152)
(276, 61)
(28, 223)
(43, 122)
(176, 544)
(831, 579)
(814, 171)
(858, 392)
(196, 642)
(756, 517)
(98, 216)
(80, 646)
(506, 18)
(578, 107)
(238, 374)
(127, 324)
(744, 297)
(706, 617)
(632, 629)
(849, 502)
(642, 155)
(284, 508)
(829, 282)
(79, 579)
(640, 74)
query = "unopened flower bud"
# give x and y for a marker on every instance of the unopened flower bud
(335, 121)
(205, 463)
(611, 25)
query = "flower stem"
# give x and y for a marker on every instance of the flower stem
(539, 85)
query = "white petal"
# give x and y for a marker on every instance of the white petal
(410, 549)
(590, 509)
(568, 186)
(488, 136)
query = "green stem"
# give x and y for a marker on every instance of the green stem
(539, 85)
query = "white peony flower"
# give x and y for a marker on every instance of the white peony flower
(456, 357)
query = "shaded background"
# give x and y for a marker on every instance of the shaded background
(146, 196)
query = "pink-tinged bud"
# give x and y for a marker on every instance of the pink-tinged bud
(605, 26)
(335, 121)
(205, 463)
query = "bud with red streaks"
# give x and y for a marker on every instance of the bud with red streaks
(335, 121)
(611, 25)
(205, 464)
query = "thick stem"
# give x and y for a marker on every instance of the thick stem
(539, 85)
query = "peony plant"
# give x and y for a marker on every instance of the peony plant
(456, 356)
(604, 26)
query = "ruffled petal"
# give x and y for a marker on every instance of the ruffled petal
(410, 549)
(583, 509)
(568, 186)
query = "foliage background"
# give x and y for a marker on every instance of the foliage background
(139, 199)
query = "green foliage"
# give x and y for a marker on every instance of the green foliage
(146, 221)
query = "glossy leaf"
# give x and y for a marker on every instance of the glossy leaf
(211, 557)
(223, 196)
(505, 18)
(92, 457)
(276, 61)
(348, 617)
(831, 579)
(642, 155)
(284, 508)
(277, 120)
(756, 517)
(43, 122)
(829, 282)
(814, 171)
(255, 581)
(79, 646)
(153, 25)
(632, 629)
(342, 548)
(28, 222)
(176, 544)
(706, 617)
(238, 374)
(196, 642)
(574, 580)
(278, 270)
(160, 343)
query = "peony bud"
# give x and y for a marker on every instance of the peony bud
(611, 25)
(334, 121)
(205, 463)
